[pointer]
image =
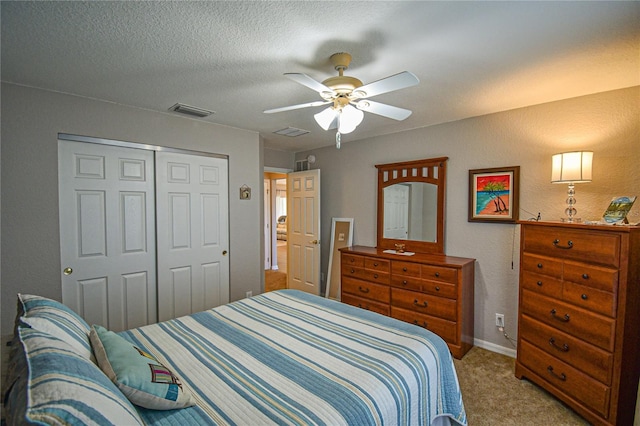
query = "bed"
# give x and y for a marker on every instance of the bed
(283, 357)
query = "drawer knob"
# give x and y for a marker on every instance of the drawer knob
(539, 283)
(584, 297)
(375, 276)
(422, 305)
(585, 276)
(569, 245)
(353, 270)
(565, 318)
(404, 282)
(437, 274)
(375, 264)
(437, 288)
(424, 323)
(364, 290)
(560, 376)
(404, 269)
(540, 265)
(352, 260)
(563, 348)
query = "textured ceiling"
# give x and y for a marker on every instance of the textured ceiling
(472, 58)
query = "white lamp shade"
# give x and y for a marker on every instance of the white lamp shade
(350, 118)
(326, 117)
(571, 167)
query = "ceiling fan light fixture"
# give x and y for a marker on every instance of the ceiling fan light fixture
(325, 117)
(350, 118)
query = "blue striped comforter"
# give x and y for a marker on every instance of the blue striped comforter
(288, 357)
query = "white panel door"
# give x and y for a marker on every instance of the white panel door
(303, 231)
(107, 233)
(396, 212)
(192, 232)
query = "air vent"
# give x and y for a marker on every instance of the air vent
(291, 132)
(190, 110)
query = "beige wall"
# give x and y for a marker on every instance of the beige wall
(31, 121)
(605, 123)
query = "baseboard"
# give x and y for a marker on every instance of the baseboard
(495, 348)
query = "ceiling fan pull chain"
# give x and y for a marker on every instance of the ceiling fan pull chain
(338, 140)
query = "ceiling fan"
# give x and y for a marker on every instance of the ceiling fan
(349, 97)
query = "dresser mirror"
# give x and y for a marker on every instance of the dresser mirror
(411, 205)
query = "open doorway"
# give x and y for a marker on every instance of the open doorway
(276, 231)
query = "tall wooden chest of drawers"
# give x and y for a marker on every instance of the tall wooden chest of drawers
(430, 290)
(579, 316)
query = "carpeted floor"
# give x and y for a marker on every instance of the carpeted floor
(493, 396)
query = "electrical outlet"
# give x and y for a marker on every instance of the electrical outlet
(249, 293)
(499, 320)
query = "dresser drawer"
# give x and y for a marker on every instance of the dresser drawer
(420, 302)
(405, 268)
(542, 284)
(352, 271)
(375, 264)
(367, 304)
(566, 378)
(409, 283)
(352, 260)
(440, 289)
(448, 330)
(375, 276)
(591, 360)
(542, 265)
(574, 244)
(578, 322)
(365, 289)
(590, 298)
(593, 276)
(439, 273)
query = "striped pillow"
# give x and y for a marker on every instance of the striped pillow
(56, 319)
(63, 388)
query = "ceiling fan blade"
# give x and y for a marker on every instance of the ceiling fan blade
(395, 82)
(312, 84)
(299, 106)
(384, 110)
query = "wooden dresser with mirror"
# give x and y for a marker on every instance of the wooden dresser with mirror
(407, 275)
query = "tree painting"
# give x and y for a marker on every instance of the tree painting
(494, 188)
(492, 191)
(493, 194)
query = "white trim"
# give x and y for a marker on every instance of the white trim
(136, 145)
(268, 169)
(495, 348)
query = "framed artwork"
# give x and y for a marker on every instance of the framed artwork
(494, 194)
(341, 236)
